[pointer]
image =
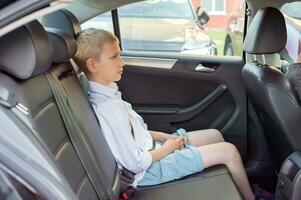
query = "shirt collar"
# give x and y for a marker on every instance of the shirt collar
(109, 91)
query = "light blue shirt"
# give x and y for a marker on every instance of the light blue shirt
(117, 118)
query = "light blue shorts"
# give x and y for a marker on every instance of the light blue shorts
(174, 166)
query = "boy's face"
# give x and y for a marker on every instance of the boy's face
(109, 65)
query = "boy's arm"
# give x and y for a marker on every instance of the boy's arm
(168, 147)
(160, 136)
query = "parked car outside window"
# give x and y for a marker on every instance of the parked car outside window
(163, 26)
(292, 15)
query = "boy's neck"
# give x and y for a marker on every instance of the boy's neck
(99, 80)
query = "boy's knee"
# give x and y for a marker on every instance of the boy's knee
(231, 152)
(217, 135)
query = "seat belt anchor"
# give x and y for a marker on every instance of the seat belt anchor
(124, 196)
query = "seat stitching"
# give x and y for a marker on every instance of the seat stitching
(40, 108)
(60, 146)
(80, 183)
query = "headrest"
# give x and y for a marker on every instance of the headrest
(26, 51)
(63, 20)
(267, 32)
(64, 45)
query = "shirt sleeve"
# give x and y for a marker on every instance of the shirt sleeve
(117, 132)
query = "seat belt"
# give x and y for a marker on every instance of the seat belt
(127, 177)
(75, 134)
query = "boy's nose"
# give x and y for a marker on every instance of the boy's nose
(121, 62)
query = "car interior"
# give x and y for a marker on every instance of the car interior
(52, 146)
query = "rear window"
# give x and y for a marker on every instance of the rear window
(292, 15)
(292, 9)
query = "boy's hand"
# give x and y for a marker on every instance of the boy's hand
(160, 136)
(168, 147)
(176, 136)
(173, 144)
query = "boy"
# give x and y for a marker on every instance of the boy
(127, 135)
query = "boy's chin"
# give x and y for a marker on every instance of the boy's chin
(117, 79)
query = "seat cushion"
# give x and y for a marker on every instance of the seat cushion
(212, 183)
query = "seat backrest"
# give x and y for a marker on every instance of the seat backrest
(84, 114)
(23, 75)
(65, 21)
(268, 89)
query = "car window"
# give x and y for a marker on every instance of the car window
(178, 27)
(292, 9)
(226, 25)
(102, 21)
(292, 15)
(158, 9)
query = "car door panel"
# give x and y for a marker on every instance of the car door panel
(181, 97)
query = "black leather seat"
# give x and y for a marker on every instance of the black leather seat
(32, 89)
(268, 89)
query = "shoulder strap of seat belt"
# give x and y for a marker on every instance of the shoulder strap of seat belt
(76, 136)
(127, 177)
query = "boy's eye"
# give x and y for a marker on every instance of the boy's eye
(115, 56)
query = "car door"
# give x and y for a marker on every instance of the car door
(188, 93)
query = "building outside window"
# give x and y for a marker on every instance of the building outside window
(215, 7)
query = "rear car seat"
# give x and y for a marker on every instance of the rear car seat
(32, 89)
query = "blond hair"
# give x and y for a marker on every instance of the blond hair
(90, 43)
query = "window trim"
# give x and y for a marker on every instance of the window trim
(116, 27)
(179, 56)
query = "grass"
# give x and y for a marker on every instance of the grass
(218, 36)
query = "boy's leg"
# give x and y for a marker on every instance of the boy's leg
(227, 154)
(204, 137)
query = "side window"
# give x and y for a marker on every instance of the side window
(226, 25)
(174, 26)
(196, 27)
(103, 21)
(292, 15)
(162, 26)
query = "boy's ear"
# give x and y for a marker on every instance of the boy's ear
(91, 65)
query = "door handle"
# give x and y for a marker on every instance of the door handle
(202, 68)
